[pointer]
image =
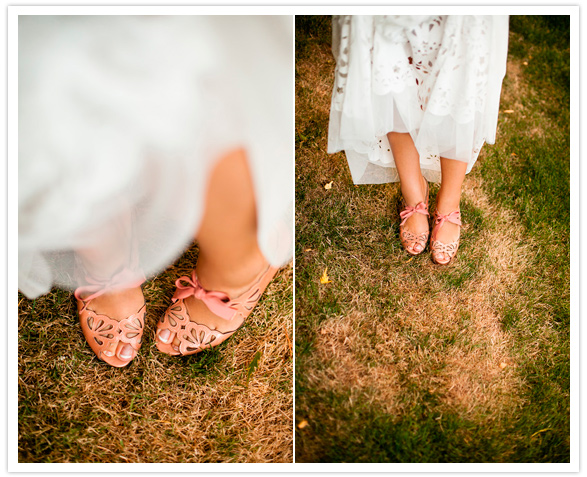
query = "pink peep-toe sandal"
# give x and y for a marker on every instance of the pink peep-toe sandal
(410, 241)
(100, 330)
(449, 250)
(194, 336)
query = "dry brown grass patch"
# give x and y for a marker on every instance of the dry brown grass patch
(516, 85)
(449, 341)
(341, 350)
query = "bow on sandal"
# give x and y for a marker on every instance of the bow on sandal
(100, 330)
(414, 244)
(439, 249)
(195, 336)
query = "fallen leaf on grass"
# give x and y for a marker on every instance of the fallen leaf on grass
(329, 185)
(253, 366)
(508, 111)
(308, 250)
(303, 424)
(502, 365)
(324, 278)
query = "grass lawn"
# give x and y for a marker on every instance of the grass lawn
(400, 360)
(229, 404)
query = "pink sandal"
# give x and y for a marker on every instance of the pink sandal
(195, 337)
(448, 249)
(407, 238)
(100, 330)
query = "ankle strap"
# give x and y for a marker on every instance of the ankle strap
(439, 219)
(405, 214)
(217, 302)
(126, 278)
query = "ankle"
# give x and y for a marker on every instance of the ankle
(414, 193)
(448, 200)
(445, 209)
(446, 205)
(230, 276)
(119, 303)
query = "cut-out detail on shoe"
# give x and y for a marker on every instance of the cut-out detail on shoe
(195, 336)
(448, 249)
(101, 331)
(408, 239)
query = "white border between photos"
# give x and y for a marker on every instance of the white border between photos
(293, 338)
(9, 440)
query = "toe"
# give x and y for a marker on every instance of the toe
(417, 248)
(110, 350)
(164, 335)
(166, 340)
(125, 351)
(175, 344)
(442, 258)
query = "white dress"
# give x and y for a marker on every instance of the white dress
(435, 77)
(120, 121)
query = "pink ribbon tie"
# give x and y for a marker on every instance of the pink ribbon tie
(454, 218)
(409, 211)
(217, 302)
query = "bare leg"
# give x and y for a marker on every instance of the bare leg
(407, 161)
(229, 256)
(449, 197)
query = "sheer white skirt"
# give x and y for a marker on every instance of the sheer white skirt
(121, 119)
(435, 77)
